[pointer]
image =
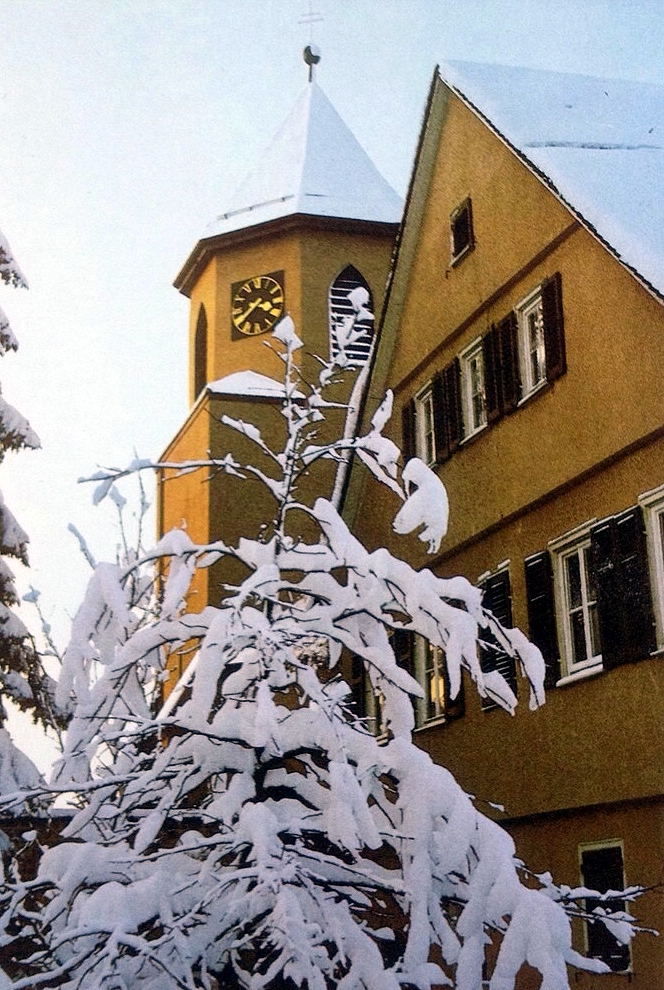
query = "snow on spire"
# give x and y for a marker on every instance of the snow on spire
(314, 166)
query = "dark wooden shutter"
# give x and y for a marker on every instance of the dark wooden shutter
(492, 376)
(619, 560)
(439, 402)
(542, 613)
(609, 602)
(403, 647)
(554, 327)
(452, 377)
(408, 427)
(509, 362)
(497, 599)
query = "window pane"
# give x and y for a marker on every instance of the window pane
(536, 343)
(573, 567)
(593, 620)
(591, 585)
(578, 637)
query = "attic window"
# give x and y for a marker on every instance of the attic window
(461, 231)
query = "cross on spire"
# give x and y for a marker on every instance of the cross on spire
(311, 53)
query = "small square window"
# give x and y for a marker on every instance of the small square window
(473, 393)
(532, 353)
(461, 231)
(602, 870)
(576, 591)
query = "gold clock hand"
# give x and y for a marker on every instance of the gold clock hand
(249, 310)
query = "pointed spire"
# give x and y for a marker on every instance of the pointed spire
(313, 166)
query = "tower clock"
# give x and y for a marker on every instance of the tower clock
(257, 303)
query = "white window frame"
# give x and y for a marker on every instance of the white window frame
(531, 305)
(592, 847)
(425, 434)
(574, 542)
(653, 508)
(471, 360)
(429, 673)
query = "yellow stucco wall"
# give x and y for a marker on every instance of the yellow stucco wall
(310, 258)
(583, 447)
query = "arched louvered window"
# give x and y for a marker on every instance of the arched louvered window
(200, 352)
(351, 318)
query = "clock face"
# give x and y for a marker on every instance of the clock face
(257, 304)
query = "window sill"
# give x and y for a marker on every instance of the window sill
(431, 723)
(458, 258)
(532, 393)
(471, 436)
(581, 675)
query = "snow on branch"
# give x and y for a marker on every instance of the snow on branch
(237, 822)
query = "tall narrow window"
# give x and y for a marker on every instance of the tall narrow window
(541, 336)
(351, 318)
(577, 595)
(653, 505)
(431, 672)
(474, 407)
(200, 353)
(581, 623)
(602, 870)
(531, 342)
(425, 443)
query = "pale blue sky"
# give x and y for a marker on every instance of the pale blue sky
(124, 127)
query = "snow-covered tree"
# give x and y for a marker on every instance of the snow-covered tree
(22, 677)
(253, 831)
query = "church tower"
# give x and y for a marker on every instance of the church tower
(311, 223)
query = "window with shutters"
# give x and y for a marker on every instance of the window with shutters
(576, 593)
(462, 239)
(592, 597)
(473, 394)
(497, 599)
(525, 350)
(602, 870)
(351, 317)
(653, 507)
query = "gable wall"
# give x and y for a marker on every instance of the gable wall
(585, 446)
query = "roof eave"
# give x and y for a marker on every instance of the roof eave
(209, 246)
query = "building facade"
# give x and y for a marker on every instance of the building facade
(522, 334)
(523, 337)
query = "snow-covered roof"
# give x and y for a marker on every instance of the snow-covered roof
(315, 166)
(599, 142)
(248, 384)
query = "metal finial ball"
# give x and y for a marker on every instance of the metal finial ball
(311, 55)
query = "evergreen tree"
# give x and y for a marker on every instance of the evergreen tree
(22, 677)
(254, 831)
